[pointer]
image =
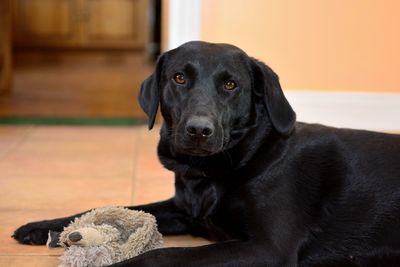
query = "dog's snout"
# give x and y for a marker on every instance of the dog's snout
(199, 127)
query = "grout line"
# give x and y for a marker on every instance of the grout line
(134, 163)
(29, 254)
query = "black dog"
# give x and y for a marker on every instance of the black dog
(273, 192)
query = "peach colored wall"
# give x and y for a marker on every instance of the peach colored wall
(351, 45)
(164, 25)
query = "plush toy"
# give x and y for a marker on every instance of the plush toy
(105, 236)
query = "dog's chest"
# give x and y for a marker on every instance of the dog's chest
(198, 197)
(211, 208)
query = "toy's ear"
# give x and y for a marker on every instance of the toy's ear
(149, 96)
(267, 85)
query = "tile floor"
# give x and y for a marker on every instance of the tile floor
(48, 172)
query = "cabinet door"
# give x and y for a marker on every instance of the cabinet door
(116, 23)
(44, 22)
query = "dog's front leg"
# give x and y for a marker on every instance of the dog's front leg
(225, 254)
(170, 219)
(36, 233)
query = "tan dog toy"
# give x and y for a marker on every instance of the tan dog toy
(105, 236)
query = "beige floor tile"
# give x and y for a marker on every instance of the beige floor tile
(152, 181)
(65, 192)
(10, 219)
(11, 137)
(72, 152)
(29, 260)
(184, 241)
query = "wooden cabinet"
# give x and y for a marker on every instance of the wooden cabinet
(125, 27)
(48, 22)
(80, 23)
(5, 45)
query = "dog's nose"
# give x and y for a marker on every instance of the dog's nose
(199, 127)
(75, 236)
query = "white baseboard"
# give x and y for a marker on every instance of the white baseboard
(372, 111)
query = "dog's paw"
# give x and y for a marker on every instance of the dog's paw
(35, 233)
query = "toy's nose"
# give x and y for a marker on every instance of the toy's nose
(75, 236)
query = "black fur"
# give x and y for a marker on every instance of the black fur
(271, 191)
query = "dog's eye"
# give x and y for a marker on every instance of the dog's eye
(179, 78)
(230, 85)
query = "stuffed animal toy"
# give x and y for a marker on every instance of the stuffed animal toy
(105, 236)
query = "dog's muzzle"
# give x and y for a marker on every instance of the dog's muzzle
(199, 128)
(198, 136)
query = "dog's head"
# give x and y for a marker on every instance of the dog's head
(209, 95)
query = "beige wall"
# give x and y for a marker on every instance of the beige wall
(314, 44)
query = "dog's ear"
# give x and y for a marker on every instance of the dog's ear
(149, 96)
(266, 85)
